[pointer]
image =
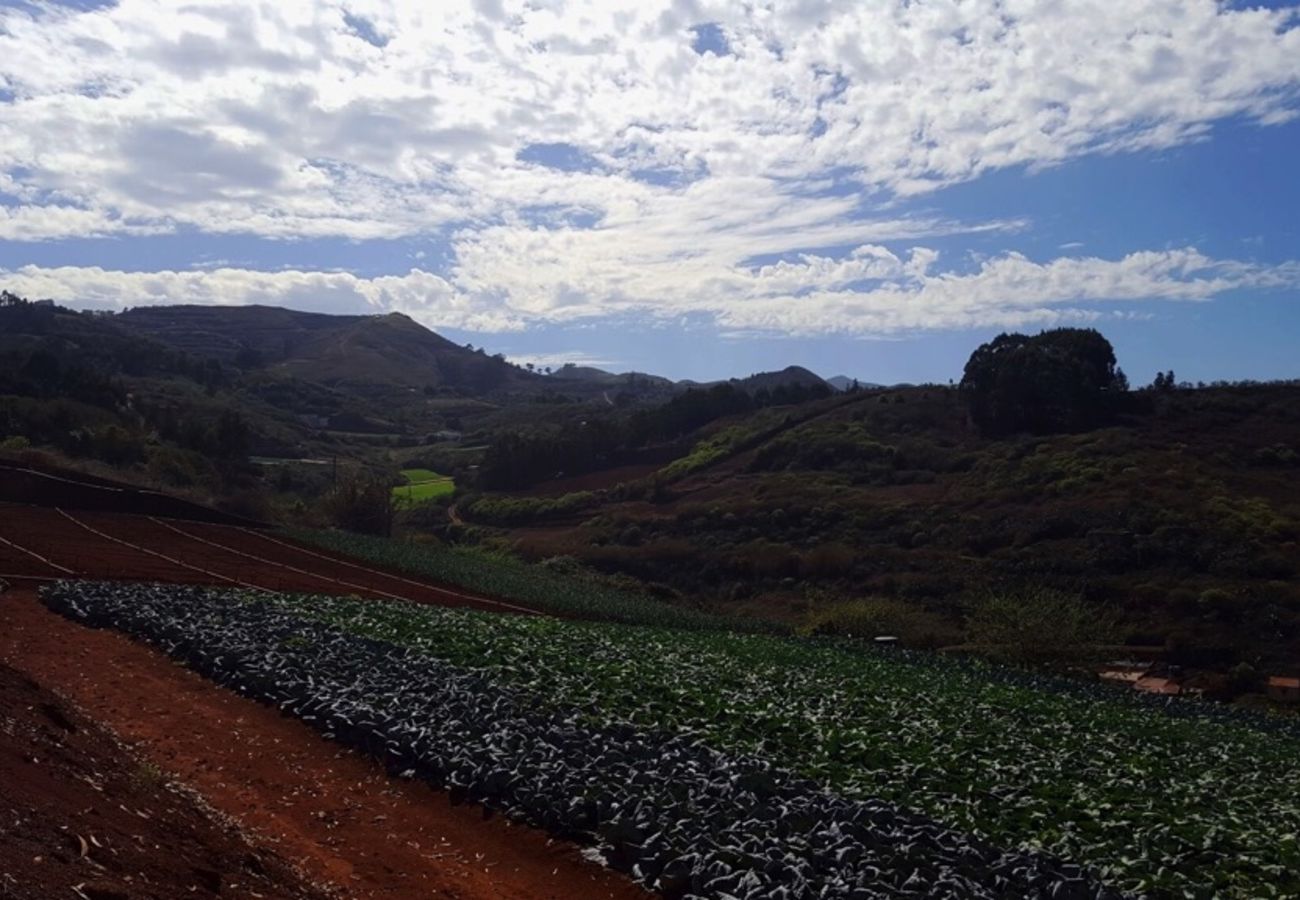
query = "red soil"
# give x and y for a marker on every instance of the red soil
(138, 548)
(336, 814)
(81, 814)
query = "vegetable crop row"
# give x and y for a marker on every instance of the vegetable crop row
(1162, 797)
(677, 815)
(493, 575)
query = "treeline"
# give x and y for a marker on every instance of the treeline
(517, 459)
(46, 350)
(1065, 379)
(63, 382)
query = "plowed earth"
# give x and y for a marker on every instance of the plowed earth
(336, 815)
(80, 814)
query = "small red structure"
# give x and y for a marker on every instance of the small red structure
(1151, 684)
(1284, 690)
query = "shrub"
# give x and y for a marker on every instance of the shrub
(1037, 625)
(827, 561)
(361, 503)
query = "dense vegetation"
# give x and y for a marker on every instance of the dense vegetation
(1177, 525)
(559, 587)
(1060, 380)
(517, 459)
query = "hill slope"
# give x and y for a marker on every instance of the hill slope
(333, 350)
(1178, 526)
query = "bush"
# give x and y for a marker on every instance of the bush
(1038, 625)
(827, 561)
(361, 503)
(514, 510)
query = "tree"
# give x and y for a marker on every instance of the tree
(1060, 380)
(362, 503)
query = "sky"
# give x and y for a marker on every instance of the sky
(696, 189)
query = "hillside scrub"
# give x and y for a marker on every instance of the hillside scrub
(1129, 518)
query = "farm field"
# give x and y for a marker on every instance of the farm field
(1082, 773)
(1095, 792)
(559, 593)
(423, 485)
(678, 815)
(334, 815)
(339, 817)
(40, 543)
(1158, 799)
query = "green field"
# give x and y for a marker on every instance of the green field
(563, 592)
(423, 485)
(1183, 801)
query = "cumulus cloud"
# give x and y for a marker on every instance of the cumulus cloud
(589, 157)
(293, 118)
(871, 292)
(422, 295)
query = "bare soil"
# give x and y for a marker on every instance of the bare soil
(141, 548)
(82, 816)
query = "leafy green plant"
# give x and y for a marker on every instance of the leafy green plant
(1082, 772)
(498, 575)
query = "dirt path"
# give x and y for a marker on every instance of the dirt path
(337, 815)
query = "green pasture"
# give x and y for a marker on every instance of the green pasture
(423, 485)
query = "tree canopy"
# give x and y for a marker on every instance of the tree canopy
(1060, 380)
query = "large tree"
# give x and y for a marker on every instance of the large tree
(1060, 380)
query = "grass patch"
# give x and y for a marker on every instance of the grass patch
(422, 486)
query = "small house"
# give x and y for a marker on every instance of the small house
(1284, 690)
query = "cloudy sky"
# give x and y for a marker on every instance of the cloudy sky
(699, 189)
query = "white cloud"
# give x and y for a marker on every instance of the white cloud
(561, 358)
(872, 292)
(278, 118)
(421, 295)
(368, 119)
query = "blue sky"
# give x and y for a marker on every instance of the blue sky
(693, 189)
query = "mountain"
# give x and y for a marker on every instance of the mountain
(389, 350)
(594, 376)
(844, 382)
(790, 375)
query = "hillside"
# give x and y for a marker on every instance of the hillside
(390, 350)
(884, 512)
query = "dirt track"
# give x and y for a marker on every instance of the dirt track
(336, 815)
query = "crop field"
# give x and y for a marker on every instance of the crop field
(710, 762)
(561, 593)
(423, 485)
